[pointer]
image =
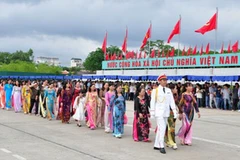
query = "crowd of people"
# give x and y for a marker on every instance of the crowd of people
(63, 100)
(103, 104)
(208, 95)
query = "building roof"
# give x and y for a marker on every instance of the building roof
(41, 57)
(76, 59)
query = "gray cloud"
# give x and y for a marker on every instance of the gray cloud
(89, 19)
(32, 2)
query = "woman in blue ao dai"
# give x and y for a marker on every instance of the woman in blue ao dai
(119, 108)
(50, 96)
(8, 90)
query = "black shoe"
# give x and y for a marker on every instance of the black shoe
(162, 150)
(155, 148)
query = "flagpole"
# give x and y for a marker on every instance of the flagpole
(179, 38)
(106, 40)
(230, 45)
(180, 18)
(106, 34)
(126, 34)
(105, 54)
(215, 45)
(150, 38)
(149, 44)
(222, 49)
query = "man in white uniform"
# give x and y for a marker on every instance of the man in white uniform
(161, 101)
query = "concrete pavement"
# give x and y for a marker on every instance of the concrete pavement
(216, 136)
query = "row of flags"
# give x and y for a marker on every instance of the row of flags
(170, 53)
(209, 26)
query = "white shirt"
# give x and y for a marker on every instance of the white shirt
(97, 85)
(59, 85)
(161, 102)
(226, 93)
(147, 87)
(199, 93)
(211, 90)
(132, 89)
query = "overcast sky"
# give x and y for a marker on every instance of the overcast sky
(73, 28)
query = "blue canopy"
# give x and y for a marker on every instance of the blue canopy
(68, 77)
(225, 78)
(51, 77)
(15, 77)
(144, 78)
(39, 77)
(24, 77)
(175, 78)
(59, 77)
(4, 77)
(152, 78)
(136, 78)
(45, 77)
(77, 77)
(86, 77)
(198, 78)
(98, 77)
(113, 77)
(124, 77)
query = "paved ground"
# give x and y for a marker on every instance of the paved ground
(216, 136)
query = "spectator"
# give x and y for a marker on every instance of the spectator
(132, 91)
(126, 91)
(199, 95)
(212, 98)
(219, 99)
(235, 97)
(226, 97)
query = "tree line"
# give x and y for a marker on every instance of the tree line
(21, 61)
(6, 57)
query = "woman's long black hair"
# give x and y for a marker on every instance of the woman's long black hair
(64, 84)
(103, 89)
(172, 86)
(59, 91)
(19, 83)
(185, 85)
(116, 94)
(89, 89)
(139, 90)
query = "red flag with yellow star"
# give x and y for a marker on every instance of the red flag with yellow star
(147, 36)
(176, 30)
(210, 25)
